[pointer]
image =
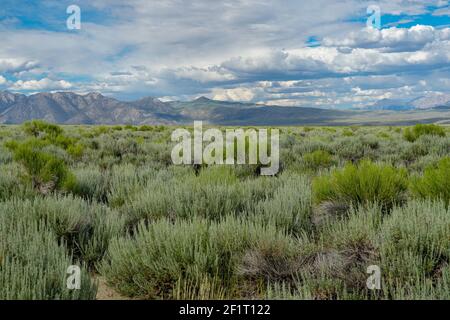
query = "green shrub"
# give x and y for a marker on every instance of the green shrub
(384, 135)
(52, 134)
(32, 263)
(121, 148)
(371, 141)
(414, 252)
(76, 150)
(11, 184)
(91, 184)
(318, 159)
(346, 247)
(413, 151)
(46, 172)
(412, 134)
(153, 262)
(42, 157)
(5, 155)
(289, 208)
(179, 194)
(83, 228)
(350, 149)
(130, 127)
(347, 133)
(145, 128)
(410, 246)
(124, 181)
(153, 202)
(435, 182)
(367, 182)
(39, 128)
(34, 268)
(99, 130)
(211, 201)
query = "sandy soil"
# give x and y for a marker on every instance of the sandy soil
(105, 292)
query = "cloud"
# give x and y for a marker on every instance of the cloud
(246, 50)
(2, 80)
(392, 39)
(43, 84)
(266, 75)
(209, 74)
(442, 12)
(322, 62)
(409, 7)
(237, 94)
(13, 65)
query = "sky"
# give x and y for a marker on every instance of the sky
(314, 53)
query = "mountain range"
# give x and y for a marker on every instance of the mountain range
(95, 108)
(428, 101)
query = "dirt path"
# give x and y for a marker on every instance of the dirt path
(105, 292)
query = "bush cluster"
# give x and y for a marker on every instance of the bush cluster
(412, 134)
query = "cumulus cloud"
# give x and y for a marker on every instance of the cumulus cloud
(237, 94)
(392, 39)
(43, 84)
(324, 62)
(2, 80)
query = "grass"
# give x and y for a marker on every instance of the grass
(109, 200)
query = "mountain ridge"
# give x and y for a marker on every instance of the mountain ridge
(427, 101)
(94, 108)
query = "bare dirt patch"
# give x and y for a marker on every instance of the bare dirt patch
(105, 292)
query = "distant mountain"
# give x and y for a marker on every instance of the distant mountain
(205, 103)
(94, 108)
(71, 108)
(431, 101)
(443, 107)
(428, 101)
(7, 99)
(390, 104)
